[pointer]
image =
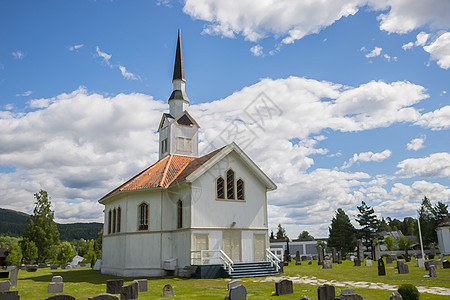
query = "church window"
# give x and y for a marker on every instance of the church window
(180, 214)
(109, 222)
(220, 186)
(164, 146)
(119, 218)
(143, 216)
(240, 189)
(230, 184)
(114, 221)
(184, 144)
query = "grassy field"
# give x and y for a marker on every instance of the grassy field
(83, 283)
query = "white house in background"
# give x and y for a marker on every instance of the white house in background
(157, 222)
(443, 234)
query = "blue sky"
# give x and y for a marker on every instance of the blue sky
(362, 89)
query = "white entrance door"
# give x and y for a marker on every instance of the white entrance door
(231, 240)
(259, 243)
(201, 242)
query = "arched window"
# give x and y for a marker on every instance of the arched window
(109, 222)
(119, 218)
(230, 184)
(240, 189)
(180, 214)
(114, 221)
(143, 216)
(220, 188)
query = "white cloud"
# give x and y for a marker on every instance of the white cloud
(436, 120)
(375, 52)
(24, 94)
(18, 54)
(257, 50)
(76, 47)
(440, 50)
(408, 46)
(435, 165)
(126, 74)
(366, 157)
(106, 57)
(416, 144)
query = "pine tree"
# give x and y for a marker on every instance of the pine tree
(41, 229)
(430, 217)
(281, 233)
(342, 233)
(369, 224)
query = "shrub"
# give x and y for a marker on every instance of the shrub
(409, 292)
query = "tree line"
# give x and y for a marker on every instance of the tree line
(40, 241)
(343, 235)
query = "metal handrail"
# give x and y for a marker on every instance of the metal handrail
(274, 260)
(227, 261)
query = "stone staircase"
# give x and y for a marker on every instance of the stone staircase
(255, 269)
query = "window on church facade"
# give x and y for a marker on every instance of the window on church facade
(109, 222)
(143, 216)
(220, 187)
(184, 144)
(114, 221)
(230, 184)
(164, 146)
(240, 189)
(180, 214)
(119, 217)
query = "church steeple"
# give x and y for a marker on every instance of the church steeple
(178, 100)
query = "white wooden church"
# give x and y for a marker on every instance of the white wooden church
(187, 210)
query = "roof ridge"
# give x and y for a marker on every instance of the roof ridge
(181, 170)
(166, 168)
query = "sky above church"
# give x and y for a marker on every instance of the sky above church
(338, 101)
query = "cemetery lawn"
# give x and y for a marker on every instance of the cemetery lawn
(83, 283)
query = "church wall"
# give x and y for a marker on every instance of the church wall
(153, 200)
(180, 248)
(208, 212)
(170, 207)
(191, 132)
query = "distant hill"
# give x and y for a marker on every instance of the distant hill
(13, 223)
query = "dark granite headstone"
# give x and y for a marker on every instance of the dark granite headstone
(320, 253)
(297, 255)
(10, 295)
(130, 291)
(303, 258)
(287, 256)
(14, 276)
(381, 268)
(114, 286)
(327, 264)
(429, 263)
(389, 259)
(304, 297)
(357, 263)
(432, 270)
(233, 284)
(432, 251)
(104, 296)
(402, 267)
(55, 287)
(52, 267)
(406, 255)
(284, 287)
(340, 256)
(298, 263)
(31, 268)
(42, 265)
(326, 292)
(310, 262)
(168, 291)
(237, 293)
(4, 274)
(334, 255)
(60, 297)
(446, 264)
(143, 285)
(5, 286)
(376, 252)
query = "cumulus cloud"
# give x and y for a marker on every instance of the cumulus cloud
(416, 144)
(435, 165)
(366, 157)
(24, 94)
(106, 57)
(126, 74)
(375, 52)
(436, 120)
(440, 50)
(76, 47)
(18, 54)
(257, 50)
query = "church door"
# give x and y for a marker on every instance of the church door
(201, 242)
(231, 240)
(259, 243)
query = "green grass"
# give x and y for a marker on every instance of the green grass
(83, 283)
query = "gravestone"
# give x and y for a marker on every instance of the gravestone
(168, 291)
(314, 257)
(4, 274)
(14, 276)
(42, 265)
(88, 265)
(237, 293)
(429, 263)
(53, 267)
(114, 286)
(334, 255)
(23, 267)
(57, 279)
(340, 257)
(348, 294)
(432, 251)
(439, 263)
(143, 285)
(420, 263)
(446, 264)
(432, 270)
(356, 262)
(376, 252)
(63, 266)
(284, 287)
(320, 253)
(304, 297)
(381, 268)
(104, 296)
(402, 267)
(303, 258)
(368, 263)
(396, 296)
(297, 255)
(82, 265)
(31, 268)
(5, 286)
(60, 297)
(130, 291)
(55, 287)
(10, 295)
(97, 265)
(407, 256)
(233, 284)
(298, 263)
(327, 264)
(360, 250)
(310, 262)
(287, 256)
(326, 292)
(389, 259)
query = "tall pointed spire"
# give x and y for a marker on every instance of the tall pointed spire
(178, 70)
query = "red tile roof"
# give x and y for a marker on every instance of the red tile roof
(168, 171)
